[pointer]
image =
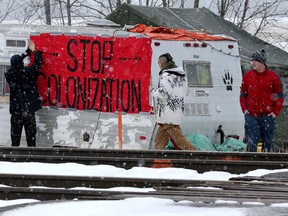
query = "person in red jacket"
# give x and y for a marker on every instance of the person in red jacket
(261, 99)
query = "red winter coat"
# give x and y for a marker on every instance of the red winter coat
(261, 93)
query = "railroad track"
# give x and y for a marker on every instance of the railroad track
(27, 187)
(233, 162)
(241, 190)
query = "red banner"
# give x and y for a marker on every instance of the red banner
(95, 73)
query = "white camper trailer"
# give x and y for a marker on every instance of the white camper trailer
(213, 72)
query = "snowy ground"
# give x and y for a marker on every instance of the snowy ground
(136, 206)
(132, 206)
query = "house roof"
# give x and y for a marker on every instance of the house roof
(198, 19)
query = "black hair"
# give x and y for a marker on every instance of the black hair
(167, 56)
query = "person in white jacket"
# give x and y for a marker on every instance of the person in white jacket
(172, 88)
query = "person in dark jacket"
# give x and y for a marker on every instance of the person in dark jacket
(261, 100)
(24, 97)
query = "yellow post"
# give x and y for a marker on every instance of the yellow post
(259, 146)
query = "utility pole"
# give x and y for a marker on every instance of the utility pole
(196, 3)
(47, 11)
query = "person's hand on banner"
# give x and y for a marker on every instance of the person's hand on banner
(32, 46)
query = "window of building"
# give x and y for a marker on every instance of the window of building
(15, 43)
(284, 81)
(198, 73)
(4, 87)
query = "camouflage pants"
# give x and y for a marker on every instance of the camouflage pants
(168, 132)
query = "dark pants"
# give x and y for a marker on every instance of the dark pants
(259, 127)
(27, 121)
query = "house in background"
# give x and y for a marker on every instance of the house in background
(199, 19)
(202, 19)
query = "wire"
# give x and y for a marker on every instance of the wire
(180, 18)
(213, 48)
(221, 51)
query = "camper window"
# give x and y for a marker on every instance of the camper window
(198, 73)
(15, 43)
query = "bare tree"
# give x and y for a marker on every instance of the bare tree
(260, 14)
(6, 9)
(47, 11)
(108, 6)
(68, 4)
(244, 13)
(224, 6)
(259, 17)
(118, 3)
(72, 9)
(245, 9)
(150, 2)
(61, 14)
(68, 10)
(29, 11)
(267, 14)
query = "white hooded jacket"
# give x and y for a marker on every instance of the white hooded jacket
(172, 89)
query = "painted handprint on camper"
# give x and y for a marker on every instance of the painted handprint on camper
(228, 80)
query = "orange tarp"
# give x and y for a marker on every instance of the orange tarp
(163, 33)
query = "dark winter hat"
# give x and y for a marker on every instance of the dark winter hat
(17, 61)
(259, 56)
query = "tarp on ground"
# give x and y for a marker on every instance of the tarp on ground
(199, 141)
(203, 143)
(231, 144)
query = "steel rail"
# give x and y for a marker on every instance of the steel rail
(201, 165)
(45, 194)
(145, 153)
(64, 181)
(233, 162)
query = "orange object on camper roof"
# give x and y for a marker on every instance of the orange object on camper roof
(163, 33)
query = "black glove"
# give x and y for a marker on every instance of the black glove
(26, 53)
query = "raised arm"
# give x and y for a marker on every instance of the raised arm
(35, 67)
(31, 47)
